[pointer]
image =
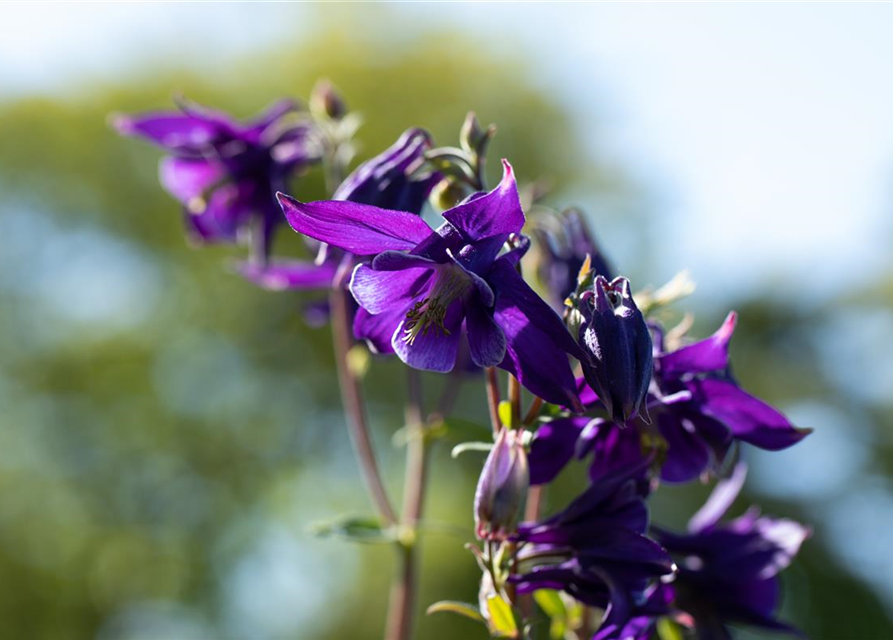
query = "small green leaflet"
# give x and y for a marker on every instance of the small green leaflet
(357, 529)
(502, 620)
(470, 446)
(454, 606)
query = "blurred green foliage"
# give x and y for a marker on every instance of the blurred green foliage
(168, 433)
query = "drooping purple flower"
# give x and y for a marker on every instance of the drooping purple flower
(387, 182)
(596, 549)
(226, 172)
(728, 572)
(383, 181)
(697, 411)
(502, 487)
(699, 430)
(564, 242)
(618, 347)
(423, 288)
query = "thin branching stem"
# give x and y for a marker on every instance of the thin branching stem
(354, 408)
(403, 592)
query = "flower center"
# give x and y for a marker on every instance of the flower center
(429, 314)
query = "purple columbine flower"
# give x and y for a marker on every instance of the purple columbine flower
(423, 288)
(728, 572)
(699, 408)
(697, 411)
(618, 347)
(383, 181)
(502, 487)
(225, 172)
(564, 242)
(596, 549)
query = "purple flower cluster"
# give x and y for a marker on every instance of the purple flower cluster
(653, 413)
(727, 573)
(610, 384)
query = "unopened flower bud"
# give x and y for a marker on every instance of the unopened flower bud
(473, 137)
(616, 339)
(447, 194)
(502, 488)
(325, 100)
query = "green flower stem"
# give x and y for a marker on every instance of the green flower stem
(354, 408)
(401, 611)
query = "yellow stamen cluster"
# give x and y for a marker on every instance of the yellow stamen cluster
(430, 314)
(424, 316)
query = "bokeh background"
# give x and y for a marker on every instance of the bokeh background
(168, 433)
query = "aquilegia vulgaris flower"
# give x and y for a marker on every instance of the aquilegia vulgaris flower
(727, 572)
(225, 172)
(697, 411)
(596, 549)
(423, 286)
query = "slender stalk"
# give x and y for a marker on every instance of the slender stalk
(533, 411)
(585, 631)
(258, 245)
(511, 549)
(531, 514)
(401, 609)
(402, 598)
(493, 398)
(416, 467)
(354, 410)
(534, 503)
(515, 401)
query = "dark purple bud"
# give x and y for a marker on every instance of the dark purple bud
(502, 488)
(617, 342)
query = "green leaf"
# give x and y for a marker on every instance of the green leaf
(668, 630)
(502, 620)
(356, 529)
(553, 606)
(454, 606)
(505, 413)
(470, 446)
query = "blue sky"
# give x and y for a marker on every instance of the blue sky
(765, 132)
